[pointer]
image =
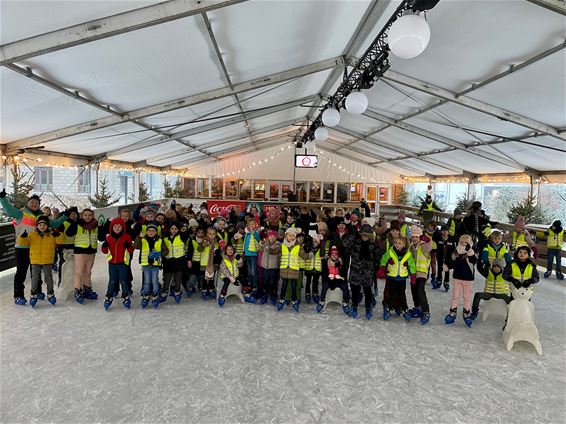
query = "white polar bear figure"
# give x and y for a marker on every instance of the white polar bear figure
(521, 320)
(67, 288)
(494, 307)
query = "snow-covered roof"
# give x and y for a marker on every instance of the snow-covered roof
(185, 83)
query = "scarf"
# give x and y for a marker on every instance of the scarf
(289, 244)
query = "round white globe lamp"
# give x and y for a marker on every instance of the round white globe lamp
(408, 36)
(330, 117)
(321, 134)
(356, 103)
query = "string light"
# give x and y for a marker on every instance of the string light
(343, 169)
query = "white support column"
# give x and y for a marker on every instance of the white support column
(136, 186)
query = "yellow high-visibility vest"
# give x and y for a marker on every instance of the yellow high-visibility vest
(145, 252)
(554, 240)
(232, 266)
(127, 256)
(68, 239)
(422, 262)
(196, 254)
(86, 238)
(516, 272)
(493, 254)
(290, 258)
(314, 263)
(519, 240)
(204, 255)
(398, 269)
(496, 285)
(176, 248)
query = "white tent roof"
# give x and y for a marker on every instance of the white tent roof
(180, 85)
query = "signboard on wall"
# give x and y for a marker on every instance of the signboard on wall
(217, 207)
(7, 246)
(262, 207)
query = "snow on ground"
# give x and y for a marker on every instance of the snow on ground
(196, 363)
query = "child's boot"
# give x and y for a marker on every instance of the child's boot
(451, 317)
(560, 276)
(178, 296)
(315, 298)
(296, 305)
(547, 274)
(345, 308)
(435, 283)
(51, 298)
(20, 301)
(446, 285)
(467, 318)
(386, 313)
(145, 302)
(127, 302)
(416, 312)
(369, 314)
(79, 296)
(425, 318)
(280, 305)
(107, 302)
(33, 300)
(407, 316)
(221, 300)
(354, 313)
(155, 302)
(320, 307)
(90, 294)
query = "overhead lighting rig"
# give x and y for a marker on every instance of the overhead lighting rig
(370, 67)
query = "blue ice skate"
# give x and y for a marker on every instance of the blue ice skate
(20, 301)
(280, 305)
(474, 315)
(144, 302)
(107, 303)
(172, 292)
(435, 284)
(221, 301)
(467, 318)
(354, 313)
(296, 306)
(369, 314)
(386, 314)
(446, 286)
(127, 302)
(162, 298)
(451, 317)
(273, 301)
(425, 318)
(320, 307)
(308, 298)
(560, 276)
(203, 295)
(263, 300)
(416, 312)
(346, 308)
(155, 303)
(79, 297)
(178, 297)
(89, 294)
(407, 316)
(211, 294)
(33, 301)
(315, 298)
(41, 296)
(248, 298)
(52, 299)
(547, 274)
(287, 302)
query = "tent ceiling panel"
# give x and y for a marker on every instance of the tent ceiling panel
(217, 134)
(358, 123)
(21, 19)
(201, 111)
(385, 98)
(274, 118)
(378, 150)
(186, 156)
(284, 92)
(408, 140)
(543, 99)
(534, 157)
(434, 123)
(471, 41)
(99, 141)
(472, 163)
(426, 167)
(148, 153)
(281, 34)
(123, 71)
(394, 168)
(244, 142)
(30, 108)
(339, 136)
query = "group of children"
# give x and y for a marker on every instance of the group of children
(291, 247)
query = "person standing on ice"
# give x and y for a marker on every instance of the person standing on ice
(421, 247)
(291, 252)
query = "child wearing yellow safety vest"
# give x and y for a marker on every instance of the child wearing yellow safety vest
(174, 262)
(291, 252)
(86, 234)
(270, 249)
(152, 249)
(554, 243)
(521, 272)
(495, 286)
(210, 257)
(313, 270)
(521, 237)
(193, 263)
(118, 247)
(396, 265)
(463, 260)
(251, 248)
(229, 272)
(421, 247)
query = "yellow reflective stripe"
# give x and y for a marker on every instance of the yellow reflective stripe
(398, 269)
(145, 252)
(196, 254)
(496, 285)
(232, 267)
(290, 258)
(555, 240)
(176, 248)
(86, 238)
(516, 272)
(423, 263)
(518, 240)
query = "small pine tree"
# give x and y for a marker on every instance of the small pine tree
(143, 194)
(168, 189)
(22, 186)
(529, 209)
(464, 203)
(402, 197)
(103, 197)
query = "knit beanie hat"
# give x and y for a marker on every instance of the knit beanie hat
(444, 228)
(334, 249)
(416, 231)
(366, 229)
(193, 222)
(74, 209)
(272, 233)
(41, 219)
(525, 248)
(151, 226)
(322, 226)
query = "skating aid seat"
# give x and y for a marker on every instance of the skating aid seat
(520, 320)
(334, 296)
(234, 290)
(494, 308)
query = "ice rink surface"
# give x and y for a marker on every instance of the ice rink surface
(196, 363)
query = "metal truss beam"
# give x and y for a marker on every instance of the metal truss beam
(444, 140)
(558, 6)
(176, 104)
(401, 150)
(474, 104)
(209, 127)
(106, 27)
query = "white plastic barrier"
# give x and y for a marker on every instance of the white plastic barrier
(66, 290)
(333, 296)
(494, 308)
(521, 320)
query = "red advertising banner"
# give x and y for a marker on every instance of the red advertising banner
(217, 207)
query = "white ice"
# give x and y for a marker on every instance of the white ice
(196, 363)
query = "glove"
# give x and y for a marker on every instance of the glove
(55, 233)
(24, 234)
(516, 283)
(527, 283)
(382, 272)
(405, 264)
(222, 244)
(535, 251)
(471, 252)
(425, 238)
(3, 193)
(413, 279)
(445, 268)
(238, 257)
(150, 261)
(391, 261)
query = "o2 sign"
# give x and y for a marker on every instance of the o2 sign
(306, 161)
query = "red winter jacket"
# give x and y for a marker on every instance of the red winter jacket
(118, 243)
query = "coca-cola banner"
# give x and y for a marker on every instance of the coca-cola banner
(218, 207)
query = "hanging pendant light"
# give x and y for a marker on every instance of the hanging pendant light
(356, 103)
(321, 133)
(408, 36)
(330, 117)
